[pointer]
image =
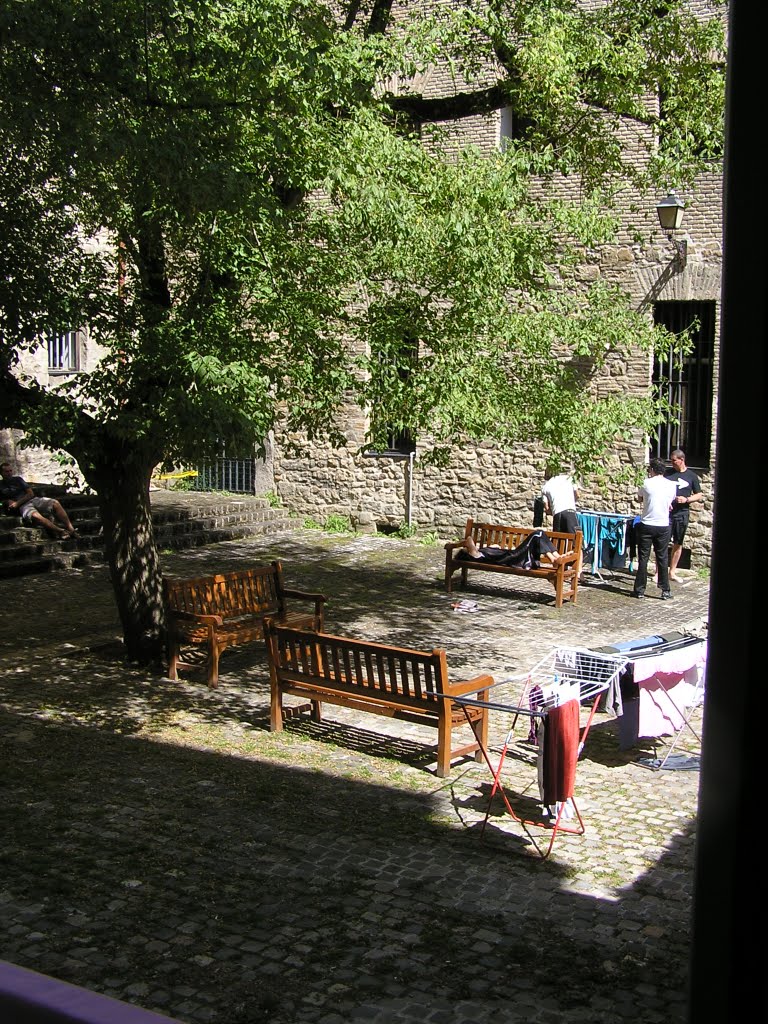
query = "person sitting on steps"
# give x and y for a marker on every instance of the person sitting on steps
(536, 552)
(20, 498)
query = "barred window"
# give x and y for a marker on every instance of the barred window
(64, 351)
(686, 383)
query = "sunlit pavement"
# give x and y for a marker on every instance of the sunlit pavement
(163, 847)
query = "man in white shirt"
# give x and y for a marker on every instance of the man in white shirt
(653, 530)
(560, 497)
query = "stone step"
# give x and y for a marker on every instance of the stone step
(32, 564)
(180, 520)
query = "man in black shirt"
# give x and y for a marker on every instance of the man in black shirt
(688, 493)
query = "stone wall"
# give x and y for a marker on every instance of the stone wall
(40, 464)
(487, 482)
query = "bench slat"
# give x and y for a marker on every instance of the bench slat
(564, 577)
(378, 678)
(243, 600)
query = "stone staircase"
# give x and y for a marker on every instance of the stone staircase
(181, 519)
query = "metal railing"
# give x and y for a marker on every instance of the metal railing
(222, 474)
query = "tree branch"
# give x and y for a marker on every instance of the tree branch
(21, 403)
(381, 12)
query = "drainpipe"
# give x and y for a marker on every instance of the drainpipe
(409, 488)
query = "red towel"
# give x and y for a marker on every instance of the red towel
(561, 751)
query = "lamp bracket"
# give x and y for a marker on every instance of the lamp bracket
(680, 245)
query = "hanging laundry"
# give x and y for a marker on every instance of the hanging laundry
(559, 752)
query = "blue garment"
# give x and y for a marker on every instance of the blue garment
(588, 526)
(646, 641)
(612, 530)
(599, 528)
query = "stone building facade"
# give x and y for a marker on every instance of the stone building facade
(498, 485)
(485, 481)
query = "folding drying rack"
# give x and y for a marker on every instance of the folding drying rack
(563, 675)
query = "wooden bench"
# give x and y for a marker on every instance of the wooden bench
(564, 577)
(377, 678)
(221, 611)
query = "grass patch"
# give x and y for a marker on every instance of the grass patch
(333, 523)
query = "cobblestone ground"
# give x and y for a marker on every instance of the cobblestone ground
(161, 846)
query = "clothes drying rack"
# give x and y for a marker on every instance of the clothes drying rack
(687, 761)
(565, 674)
(598, 517)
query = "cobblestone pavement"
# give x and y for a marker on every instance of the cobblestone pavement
(161, 846)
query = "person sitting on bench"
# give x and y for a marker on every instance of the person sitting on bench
(536, 552)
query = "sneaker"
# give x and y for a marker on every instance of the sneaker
(666, 595)
(638, 593)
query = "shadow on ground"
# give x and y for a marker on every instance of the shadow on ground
(166, 849)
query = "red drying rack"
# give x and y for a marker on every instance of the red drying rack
(565, 674)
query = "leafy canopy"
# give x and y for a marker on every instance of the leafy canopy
(278, 232)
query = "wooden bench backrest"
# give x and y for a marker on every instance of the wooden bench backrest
(509, 537)
(246, 591)
(378, 669)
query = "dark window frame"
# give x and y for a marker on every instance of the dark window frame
(64, 351)
(687, 382)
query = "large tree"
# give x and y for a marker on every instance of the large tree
(258, 227)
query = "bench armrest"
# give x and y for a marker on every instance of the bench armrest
(568, 559)
(310, 595)
(451, 544)
(202, 620)
(307, 595)
(469, 686)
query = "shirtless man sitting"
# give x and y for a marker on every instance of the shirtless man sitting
(20, 498)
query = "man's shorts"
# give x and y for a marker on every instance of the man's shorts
(679, 524)
(565, 522)
(44, 505)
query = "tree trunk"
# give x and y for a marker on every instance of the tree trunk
(134, 565)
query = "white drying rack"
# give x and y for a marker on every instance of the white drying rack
(566, 673)
(569, 673)
(563, 674)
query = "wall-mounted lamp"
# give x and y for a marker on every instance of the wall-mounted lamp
(670, 211)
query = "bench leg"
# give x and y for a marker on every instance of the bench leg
(449, 571)
(443, 747)
(213, 666)
(559, 590)
(173, 658)
(275, 708)
(317, 711)
(481, 735)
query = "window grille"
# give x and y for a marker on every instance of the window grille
(686, 383)
(225, 474)
(64, 351)
(400, 440)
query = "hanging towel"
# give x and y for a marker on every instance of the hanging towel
(560, 752)
(588, 526)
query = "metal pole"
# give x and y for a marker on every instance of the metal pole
(409, 488)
